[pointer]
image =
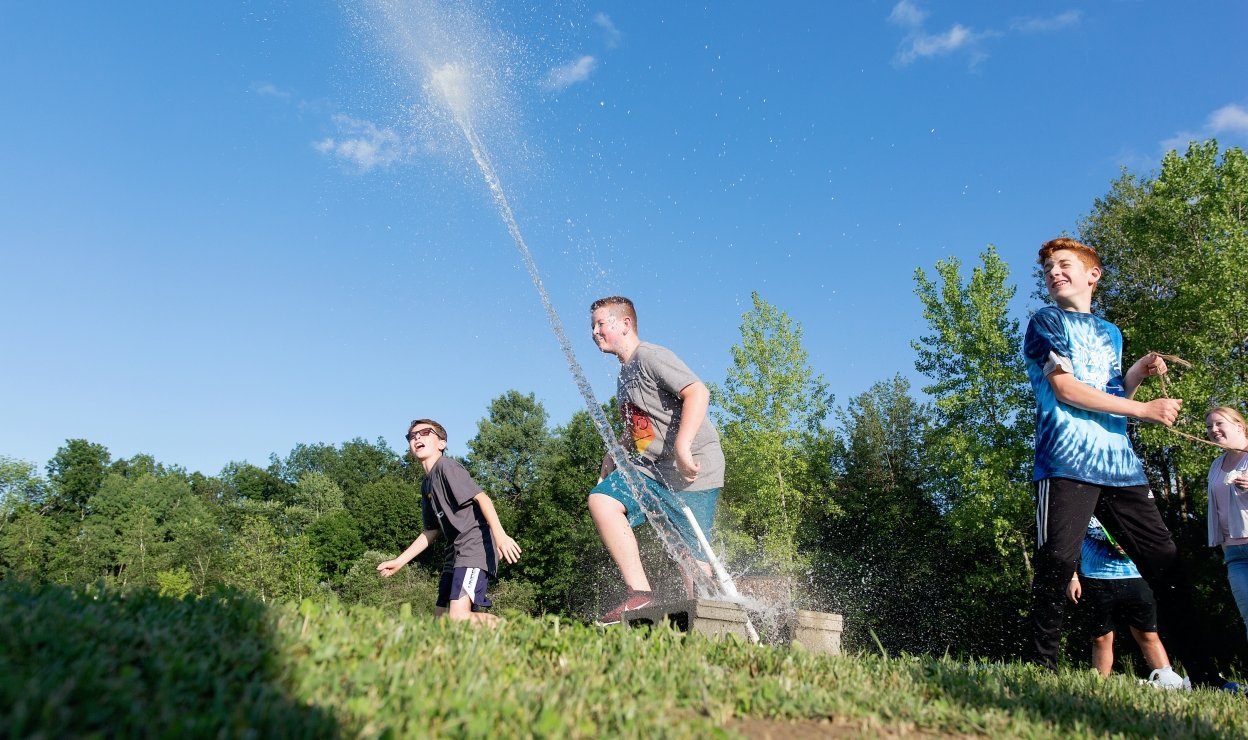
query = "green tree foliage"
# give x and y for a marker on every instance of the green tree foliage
(77, 471)
(318, 493)
(883, 558)
(128, 529)
(255, 561)
(351, 466)
(198, 542)
(1175, 247)
(505, 456)
(388, 514)
(981, 437)
(26, 545)
(20, 485)
(771, 406)
(247, 482)
(335, 538)
(300, 571)
(561, 545)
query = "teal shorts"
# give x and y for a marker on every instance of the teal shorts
(701, 503)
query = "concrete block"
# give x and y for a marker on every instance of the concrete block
(818, 632)
(704, 616)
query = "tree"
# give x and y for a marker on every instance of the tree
(505, 455)
(129, 525)
(356, 464)
(256, 559)
(300, 572)
(388, 514)
(335, 538)
(198, 541)
(20, 486)
(251, 483)
(26, 545)
(77, 471)
(1175, 248)
(883, 556)
(553, 526)
(318, 493)
(981, 436)
(770, 406)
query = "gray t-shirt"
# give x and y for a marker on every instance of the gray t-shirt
(446, 504)
(648, 391)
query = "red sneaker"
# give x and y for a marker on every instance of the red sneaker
(634, 600)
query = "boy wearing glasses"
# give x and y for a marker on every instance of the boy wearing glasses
(454, 506)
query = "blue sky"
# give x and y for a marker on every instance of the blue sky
(229, 228)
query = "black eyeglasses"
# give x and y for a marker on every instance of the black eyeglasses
(421, 433)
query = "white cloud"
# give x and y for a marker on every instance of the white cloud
(362, 144)
(918, 43)
(1229, 118)
(571, 73)
(906, 13)
(1044, 25)
(269, 89)
(924, 45)
(613, 35)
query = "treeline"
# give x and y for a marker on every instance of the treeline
(912, 516)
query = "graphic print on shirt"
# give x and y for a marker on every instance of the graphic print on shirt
(1095, 358)
(639, 426)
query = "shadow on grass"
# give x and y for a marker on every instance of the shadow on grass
(1079, 703)
(77, 663)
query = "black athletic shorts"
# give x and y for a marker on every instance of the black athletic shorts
(1110, 601)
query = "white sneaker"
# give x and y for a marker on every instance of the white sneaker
(1166, 678)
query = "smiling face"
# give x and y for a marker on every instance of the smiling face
(1070, 280)
(1225, 430)
(611, 329)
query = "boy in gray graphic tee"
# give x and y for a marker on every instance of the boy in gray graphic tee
(670, 441)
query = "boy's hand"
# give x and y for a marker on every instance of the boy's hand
(388, 568)
(507, 549)
(1162, 411)
(686, 465)
(1148, 365)
(1074, 590)
(1240, 482)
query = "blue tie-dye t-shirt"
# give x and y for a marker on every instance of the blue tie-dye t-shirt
(1099, 559)
(1087, 446)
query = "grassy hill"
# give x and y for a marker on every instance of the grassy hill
(76, 663)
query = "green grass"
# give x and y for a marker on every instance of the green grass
(75, 664)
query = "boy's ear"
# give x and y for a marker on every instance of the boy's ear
(1095, 273)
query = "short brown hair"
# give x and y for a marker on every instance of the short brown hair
(616, 300)
(1087, 255)
(438, 429)
(1229, 413)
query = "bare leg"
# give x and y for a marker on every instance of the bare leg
(1103, 653)
(461, 611)
(1150, 645)
(617, 535)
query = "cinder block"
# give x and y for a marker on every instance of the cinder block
(818, 632)
(704, 616)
